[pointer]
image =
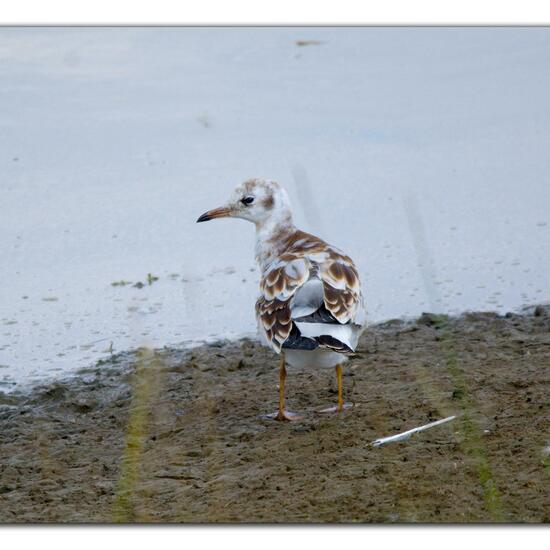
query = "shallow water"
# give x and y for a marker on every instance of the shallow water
(422, 152)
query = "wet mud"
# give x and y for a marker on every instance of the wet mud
(181, 435)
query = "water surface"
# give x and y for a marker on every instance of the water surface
(422, 152)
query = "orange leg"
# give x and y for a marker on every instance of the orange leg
(282, 414)
(340, 405)
(339, 379)
(282, 378)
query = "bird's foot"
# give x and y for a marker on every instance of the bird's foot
(337, 408)
(284, 416)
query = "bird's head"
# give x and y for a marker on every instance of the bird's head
(255, 200)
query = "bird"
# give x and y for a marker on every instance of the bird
(310, 309)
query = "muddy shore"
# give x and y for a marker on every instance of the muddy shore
(181, 436)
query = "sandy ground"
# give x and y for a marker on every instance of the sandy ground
(180, 436)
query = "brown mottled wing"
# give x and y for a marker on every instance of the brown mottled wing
(278, 286)
(341, 286)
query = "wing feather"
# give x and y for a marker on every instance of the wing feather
(310, 264)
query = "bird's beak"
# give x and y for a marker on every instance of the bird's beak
(222, 212)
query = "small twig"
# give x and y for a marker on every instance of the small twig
(408, 433)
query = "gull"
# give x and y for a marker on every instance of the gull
(310, 310)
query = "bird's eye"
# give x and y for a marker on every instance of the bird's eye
(247, 200)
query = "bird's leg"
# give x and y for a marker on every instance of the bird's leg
(339, 380)
(282, 378)
(283, 415)
(341, 405)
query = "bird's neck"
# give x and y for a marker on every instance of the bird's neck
(271, 236)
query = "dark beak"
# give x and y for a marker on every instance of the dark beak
(216, 213)
(204, 218)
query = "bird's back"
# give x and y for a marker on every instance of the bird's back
(310, 299)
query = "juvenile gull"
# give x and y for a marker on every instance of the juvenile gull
(310, 309)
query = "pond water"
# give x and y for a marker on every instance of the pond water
(422, 152)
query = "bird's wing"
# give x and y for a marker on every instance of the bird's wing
(310, 279)
(338, 320)
(341, 287)
(339, 277)
(278, 286)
